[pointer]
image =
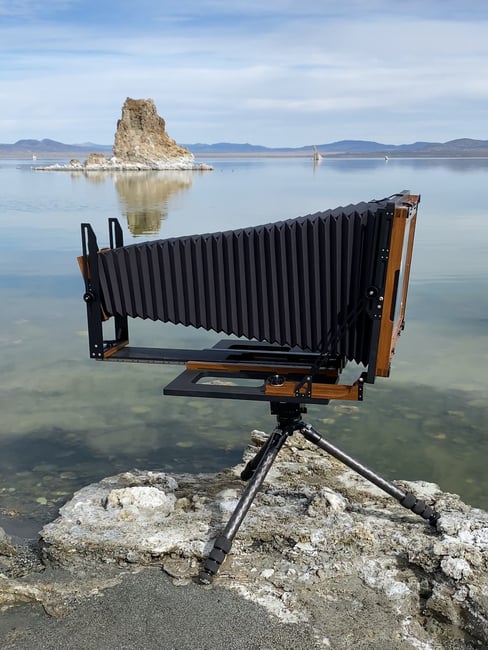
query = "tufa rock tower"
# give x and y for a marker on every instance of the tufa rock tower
(141, 144)
(141, 136)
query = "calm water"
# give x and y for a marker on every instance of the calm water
(66, 421)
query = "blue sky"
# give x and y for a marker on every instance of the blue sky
(278, 73)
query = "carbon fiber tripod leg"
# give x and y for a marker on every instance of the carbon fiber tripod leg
(253, 464)
(406, 499)
(223, 543)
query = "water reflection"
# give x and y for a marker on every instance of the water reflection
(144, 197)
(66, 421)
(457, 165)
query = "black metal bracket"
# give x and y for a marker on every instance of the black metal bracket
(92, 296)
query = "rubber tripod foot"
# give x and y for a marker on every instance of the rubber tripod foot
(216, 556)
(205, 578)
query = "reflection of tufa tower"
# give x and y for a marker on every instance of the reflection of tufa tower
(144, 197)
(141, 135)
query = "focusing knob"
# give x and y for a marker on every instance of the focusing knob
(88, 296)
(276, 380)
(372, 292)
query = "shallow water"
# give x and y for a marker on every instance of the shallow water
(66, 421)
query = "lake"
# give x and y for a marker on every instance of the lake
(66, 421)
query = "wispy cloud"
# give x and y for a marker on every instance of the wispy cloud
(34, 8)
(276, 72)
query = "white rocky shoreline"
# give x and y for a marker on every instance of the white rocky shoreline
(321, 545)
(113, 164)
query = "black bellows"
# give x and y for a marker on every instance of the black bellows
(299, 283)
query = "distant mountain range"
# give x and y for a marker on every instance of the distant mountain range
(28, 148)
(460, 147)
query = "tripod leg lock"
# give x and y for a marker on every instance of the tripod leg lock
(217, 555)
(419, 507)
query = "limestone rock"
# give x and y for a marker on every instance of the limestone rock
(141, 135)
(57, 596)
(141, 143)
(319, 544)
(94, 159)
(6, 546)
(15, 592)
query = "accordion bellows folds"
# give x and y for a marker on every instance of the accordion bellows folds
(298, 283)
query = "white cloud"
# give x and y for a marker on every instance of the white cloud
(32, 8)
(308, 72)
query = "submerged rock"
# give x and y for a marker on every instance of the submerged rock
(320, 544)
(6, 546)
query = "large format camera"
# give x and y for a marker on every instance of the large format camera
(302, 299)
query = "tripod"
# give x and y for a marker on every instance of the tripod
(289, 421)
